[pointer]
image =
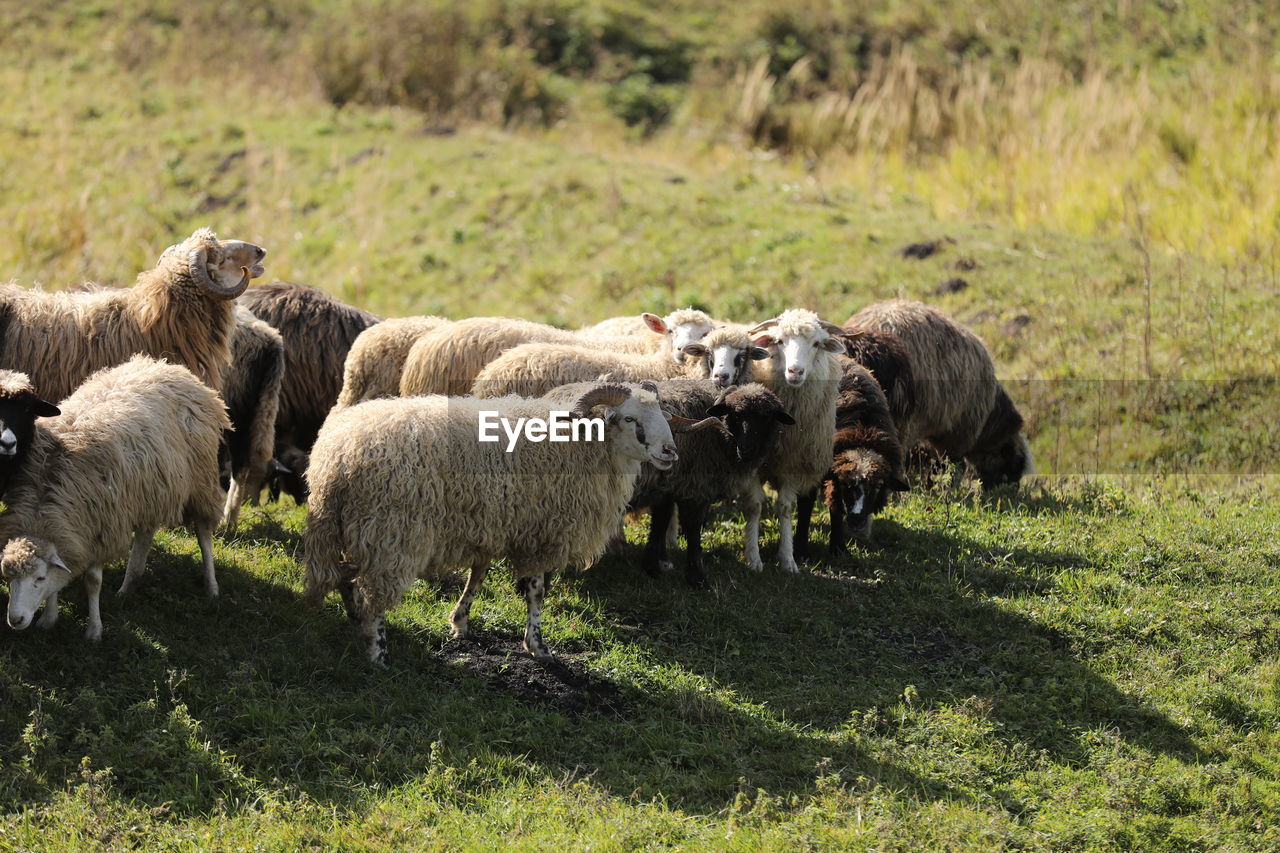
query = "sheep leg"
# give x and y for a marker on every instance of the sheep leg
(804, 515)
(692, 517)
(50, 613)
(656, 560)
(751, 530)
(373, 630)
(93, 587)
(462, 610)
(531, 587)
(137, 559)
(837, 545)
(347, 589)
(673, 534)
(204, 535)
(231, 509)
(786, 554)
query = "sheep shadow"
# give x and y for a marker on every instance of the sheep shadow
(200, 706)
(916, 614)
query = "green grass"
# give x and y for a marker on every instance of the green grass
(1076, 667)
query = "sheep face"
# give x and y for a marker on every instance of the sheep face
(641, 430)
(864, 479)
(234, 260)
(682, 328)
(222, 268)
(798, 352)
(727, 363)
(1004, 465)
(753, 420)
(35, 572)
(18, 413)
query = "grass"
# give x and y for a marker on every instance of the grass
(1080, 666)
(1092, 664)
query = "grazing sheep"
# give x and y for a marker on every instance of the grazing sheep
(181, 311)
(683, 326)
(448, 360)
(136, 449)
(403, 488)
(715, 465)
(867, 461)
(729, 352)
(531, 370)
(19, 408)
(376, 361)
(805, 373)
(318, 331)
(960, 406)
(251, 390)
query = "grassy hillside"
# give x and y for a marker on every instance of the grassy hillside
(1090, 664)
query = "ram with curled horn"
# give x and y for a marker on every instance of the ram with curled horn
(181, 310)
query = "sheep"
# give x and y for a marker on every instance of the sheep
(804, 372)
(135, 449)
(886, 356)
(403, 488)
(867, 461)
(448, 360)
(376, 361)
(180, 310)
(683, 326)
(251, 390)
(19, 408)
(318, 331)
(715, 464)
(729, 352)
(531, 370)
(960, 406)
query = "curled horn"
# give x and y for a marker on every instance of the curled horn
(601, 395)
(679, 424)
(198, 266)
(650, 386)
(760, 327)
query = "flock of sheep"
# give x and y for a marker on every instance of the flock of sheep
(187, 394)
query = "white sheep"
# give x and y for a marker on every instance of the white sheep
(531, 370)
(728, 351)
(135, 449)
(682, 327)
(805, 374)
(404, 488)
(376, 360)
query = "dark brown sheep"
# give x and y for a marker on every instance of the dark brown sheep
(251, 391)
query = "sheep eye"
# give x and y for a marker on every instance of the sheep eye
(629, 419)
(40, 578)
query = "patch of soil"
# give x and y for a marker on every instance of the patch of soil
(966, 264)
(563, 683)
(926, 249)
(1016, 324)
(951, 285)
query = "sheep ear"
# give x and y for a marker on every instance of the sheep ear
(832, 345)
(719, 410)
(44, 409)
(764, 341)
(694, 350)
(55, 560)
(757, 353)
(898, 484)
(784, 418)
(655, 323)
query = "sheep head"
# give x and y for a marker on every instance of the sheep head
(35, 572)
(752, 416)
(727, 352)
(634, 415)
(19, 408)
(682, 327)
(223, 268)
(800, 335)
(865, 479)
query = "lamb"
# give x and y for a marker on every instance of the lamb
(252, 393)
(960, 406)
(684, 326)
(181, 310)
(136, 449)
(19, 408)
(531, 370)
(402, 489)
(867, 463)
(448, 360)
(715, 464)
(318, 331)
(729, 352)
(804, 372)
(376, 361)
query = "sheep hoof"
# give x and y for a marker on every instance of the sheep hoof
(94, 634)
(790, 566)
(755, 564)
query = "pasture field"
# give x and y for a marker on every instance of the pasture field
(1090, 663)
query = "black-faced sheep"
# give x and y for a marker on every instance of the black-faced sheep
(375, 363)
(135, 449)
(448, 360)
(19, 408)
(251, 390)
(866, 465)
(959, 405)
(404, 488)
(318, 331)
(728, 351)
(805, 374)
(181, 311)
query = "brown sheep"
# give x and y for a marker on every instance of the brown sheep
(252, 394)
(181, 311)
